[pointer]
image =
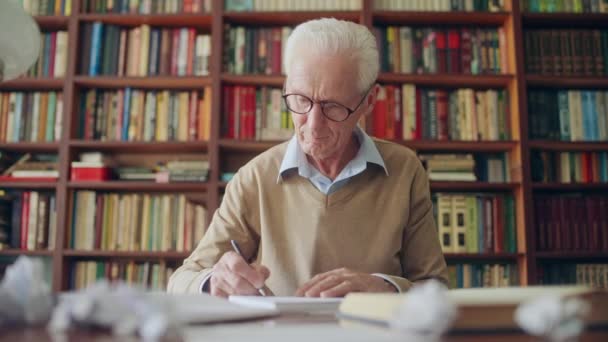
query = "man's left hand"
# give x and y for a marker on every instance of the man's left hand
(339, 282)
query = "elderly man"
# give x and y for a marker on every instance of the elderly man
(332, 211)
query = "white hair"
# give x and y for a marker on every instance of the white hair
(333, 36)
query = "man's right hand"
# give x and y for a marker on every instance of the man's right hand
(232, 275)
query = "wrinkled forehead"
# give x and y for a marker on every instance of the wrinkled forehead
(322, 76)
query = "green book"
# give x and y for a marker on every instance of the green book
(472, 234)
(51, 108)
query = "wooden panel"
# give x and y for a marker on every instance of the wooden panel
(153, 82)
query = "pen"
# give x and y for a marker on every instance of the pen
(236, 248)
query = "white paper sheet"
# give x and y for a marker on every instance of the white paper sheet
(290, 304)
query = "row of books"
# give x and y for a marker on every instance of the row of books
(291, 5)
(567, 6)
(143, 51)
(413, 113)
(30, 116)
(482, 275)
(436, 50)
(569, 167)
(571, 222)
(145, 6)
(135, 222)
(476, 223)
(594, 275)
(255, 114)
(465, 167)
(28, 220)
(440, 5)
(53, 56)
(47, 7)
(149, 275)
(251, 50)
(139, 115)
(566, 52)
(568, 115)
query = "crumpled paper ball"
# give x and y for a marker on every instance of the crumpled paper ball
(123, 309)
(553, 317)
(425, 312)
(25, 296)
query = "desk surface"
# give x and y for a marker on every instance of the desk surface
(308, 328)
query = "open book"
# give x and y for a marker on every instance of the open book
(478, 309)
(290, 304)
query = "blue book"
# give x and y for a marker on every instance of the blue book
(46, 56)
(96, 48)
(603, 157)
(593, 116)
(564, 115)
(459, 276)
(17, 118)
(586, 108)
(126, 111)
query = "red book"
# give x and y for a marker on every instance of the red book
(379, 114)
(398, 115)
(441, 45)
(466, 51)
(418, 133)
(454, 53)
(442, 114)
(564, 223)
(389, 129)
(191, 53)
(98, 221)
(252, 115)
(51, 55)
(229, 111)
(539, 210)
(603, 219)
(242, 111)
(276, 51)
(175, 51)
(498, 220)
(25, 214)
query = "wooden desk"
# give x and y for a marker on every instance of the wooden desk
(287, 325)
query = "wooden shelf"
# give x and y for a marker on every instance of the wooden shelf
(570, 186)
(31, 83)
(127, 186)
(562, 255)
(52, 22)
(255, 80)
(124, 254)
(246, 146)
(418, 145)
(482, 256)
(140, 147)
(440, 18)
(472, 186)
(565, 19)
(568, 145)
(567, 81)
(448, 80)
(28, 185)
(17, 252)
(34, 147)
(200, 21)
(286, 18)
(152, 82)
(458, 146)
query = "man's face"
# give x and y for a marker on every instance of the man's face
(324, 78)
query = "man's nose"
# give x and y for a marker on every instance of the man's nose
(316, 118)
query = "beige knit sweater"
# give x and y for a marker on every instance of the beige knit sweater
(377, 223)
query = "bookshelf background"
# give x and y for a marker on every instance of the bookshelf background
(228, 154)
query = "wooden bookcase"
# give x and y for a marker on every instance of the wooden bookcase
(220, 150)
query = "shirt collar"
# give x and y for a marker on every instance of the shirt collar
(295, 158)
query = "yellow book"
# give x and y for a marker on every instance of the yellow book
(478, 308)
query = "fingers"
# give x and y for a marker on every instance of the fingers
(233, 276)
(319, 277)
(340, 290)
(327, 282)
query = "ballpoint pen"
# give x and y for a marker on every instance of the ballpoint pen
(236, 248)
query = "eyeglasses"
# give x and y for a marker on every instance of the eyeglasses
(301, 104)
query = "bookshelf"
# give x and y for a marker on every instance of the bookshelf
(226, 153)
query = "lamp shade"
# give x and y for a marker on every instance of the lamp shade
(19, 40)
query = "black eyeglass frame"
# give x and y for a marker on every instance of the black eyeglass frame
(323, 103)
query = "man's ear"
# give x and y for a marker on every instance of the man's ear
(370, 101)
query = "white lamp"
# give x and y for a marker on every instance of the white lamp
(19, 40)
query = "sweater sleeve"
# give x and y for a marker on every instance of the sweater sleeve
(421, 255)
(230, 221)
